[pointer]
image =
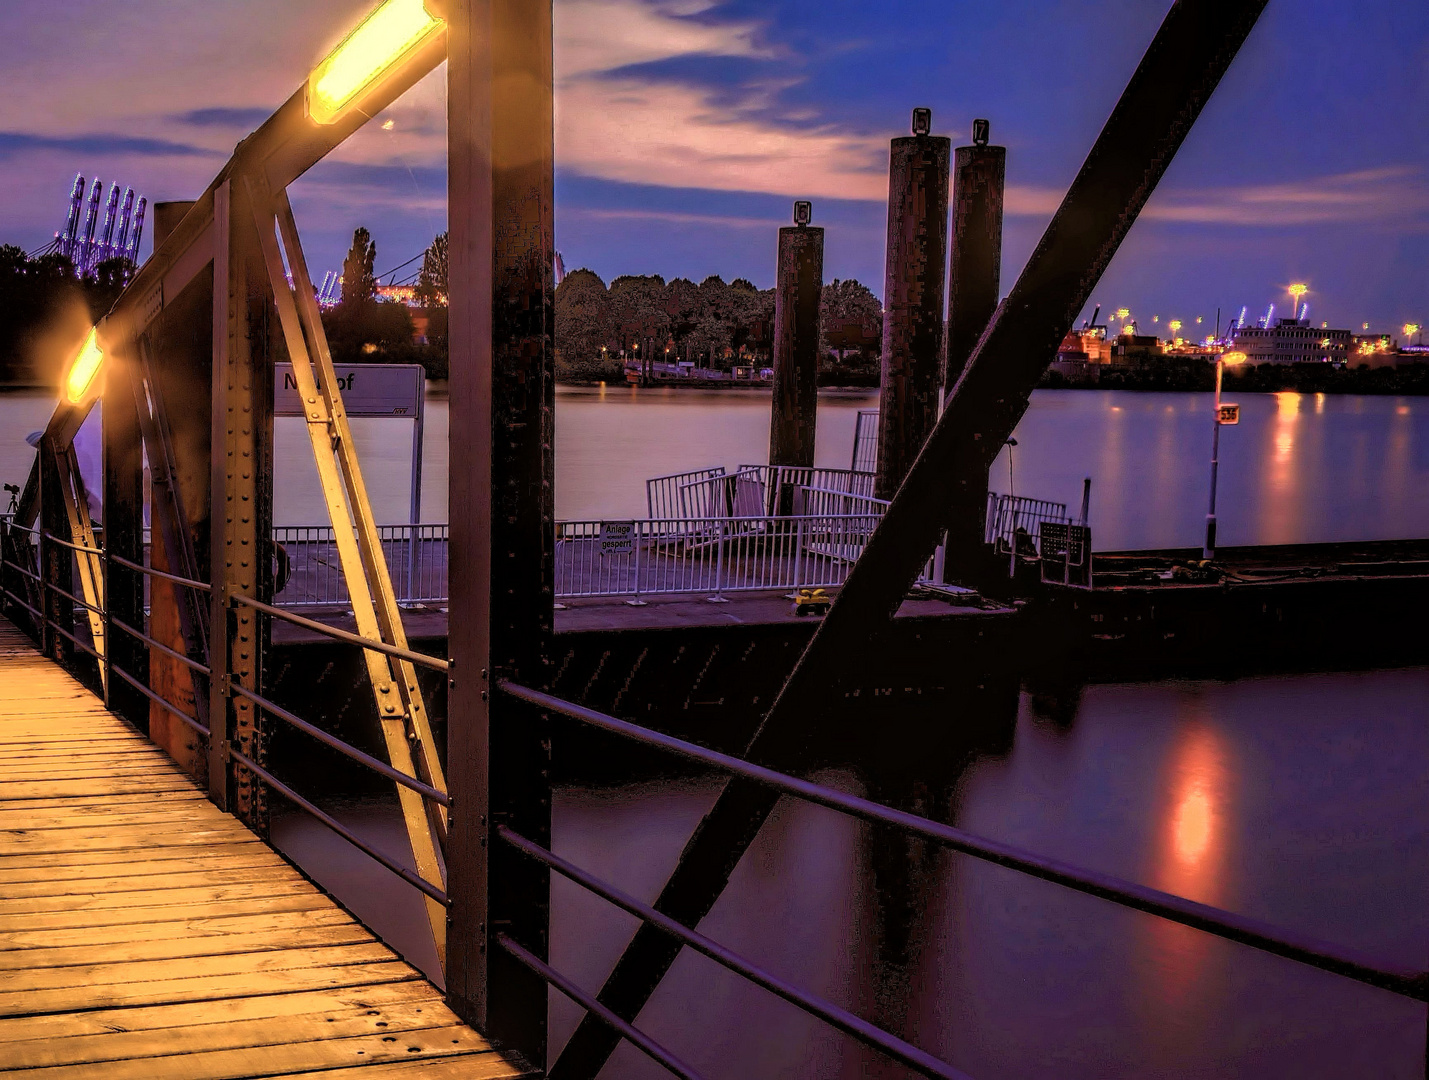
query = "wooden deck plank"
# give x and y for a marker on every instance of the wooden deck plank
(279, 1059)
(143, 913)
(331, 1024)
(366, 999)
(218, 989)
(146, 935)
(124, 934)
(190, 945)
(243, 859)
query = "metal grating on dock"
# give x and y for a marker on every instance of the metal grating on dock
(144, 933)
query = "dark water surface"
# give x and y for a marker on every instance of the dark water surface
(1301, 800)
(1300, 468)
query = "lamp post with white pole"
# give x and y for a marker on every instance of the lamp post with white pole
(1221, 414)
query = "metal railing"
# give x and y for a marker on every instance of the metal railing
(37, 537)
(749, 491)
(865, 441)
(1408, 982)
(698, 493)
(1007, 514)
(711, 556)
(310, 570)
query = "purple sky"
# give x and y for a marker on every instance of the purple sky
(686, 127)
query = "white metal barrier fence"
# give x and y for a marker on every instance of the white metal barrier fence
(710, 556)
(310, 571)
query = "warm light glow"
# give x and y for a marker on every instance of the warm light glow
(1175, 325)
(84, 369)
(1298, 290)
(1123, 313)
(1410, 329)
(366, 54)
(1232, 358)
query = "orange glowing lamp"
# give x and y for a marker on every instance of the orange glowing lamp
(84, 369)
(1231, 359)
(381, 42)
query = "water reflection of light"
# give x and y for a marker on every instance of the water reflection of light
(1319, 404)
(1193, 831)
(1193, 827)
(1280, 512)
(1188, 859)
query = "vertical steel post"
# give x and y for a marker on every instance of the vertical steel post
(523, 501)
(56, 562)
(800, 282)
(499, 137)
(974, 277)
(123, 518)
(916, 267)
(240, 537)
(1209, 550)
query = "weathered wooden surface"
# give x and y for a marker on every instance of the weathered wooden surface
(145, 934)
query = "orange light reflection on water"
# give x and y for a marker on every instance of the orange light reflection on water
(1188, 859)
(1193, 833)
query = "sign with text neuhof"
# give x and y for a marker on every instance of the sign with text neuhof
(367, 390)
(1229, 414)
(617, 537)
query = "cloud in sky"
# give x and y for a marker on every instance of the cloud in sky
(1391, 195)
(14, 143)
(692, 123)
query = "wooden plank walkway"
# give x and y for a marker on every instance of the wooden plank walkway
(146, 934)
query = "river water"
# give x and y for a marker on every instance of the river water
(1301, 800)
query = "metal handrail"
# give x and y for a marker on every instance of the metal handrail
(420, 659)
(21, 569)
(202, 669)
(336, 826)
(74, 599)
(71, 545)
(202, 586)
(57, 628)
(897, 1049)
(436, 795)
(633, 1035)
(163, 703)
(1407, 982)
(11, 523)
(23, 604)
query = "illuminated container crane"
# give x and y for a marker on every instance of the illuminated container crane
(102, 250)
(84, 257)
(126, 215)
(133, 251)
(70, 237)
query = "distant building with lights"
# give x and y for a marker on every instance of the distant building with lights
(1293, 341)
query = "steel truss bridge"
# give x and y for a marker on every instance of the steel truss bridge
(189, 349)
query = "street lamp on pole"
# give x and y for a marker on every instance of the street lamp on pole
(1221, 414)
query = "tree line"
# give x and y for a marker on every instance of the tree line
(44, 307)
(712, 324)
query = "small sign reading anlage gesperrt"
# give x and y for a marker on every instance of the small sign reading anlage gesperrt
(617, 537)
(367, 389)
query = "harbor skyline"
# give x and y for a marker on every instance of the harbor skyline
(685, 129)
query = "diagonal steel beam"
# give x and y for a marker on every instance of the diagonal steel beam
(401, 712)
(1191, 51)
